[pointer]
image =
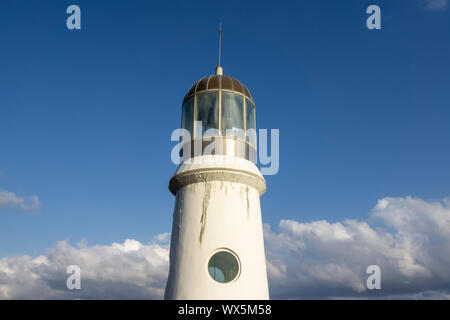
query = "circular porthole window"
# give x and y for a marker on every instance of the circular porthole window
(223, 266)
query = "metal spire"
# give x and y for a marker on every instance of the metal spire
(219, 70)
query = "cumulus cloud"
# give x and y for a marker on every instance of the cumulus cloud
(128, 270)
(437, 4)
(11, 200)
(408, 238)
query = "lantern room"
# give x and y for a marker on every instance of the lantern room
(221, 107)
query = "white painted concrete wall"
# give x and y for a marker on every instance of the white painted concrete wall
(210, 215)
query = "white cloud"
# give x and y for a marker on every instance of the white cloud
(437, 4)
(163, 237)
(10, 199)
(128, 270)
(408, 238)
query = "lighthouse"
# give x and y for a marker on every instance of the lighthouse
(217, 245)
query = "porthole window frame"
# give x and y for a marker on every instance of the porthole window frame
(238, 262)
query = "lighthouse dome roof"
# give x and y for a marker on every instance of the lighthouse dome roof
(218, 82)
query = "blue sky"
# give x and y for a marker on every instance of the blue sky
(86, 116)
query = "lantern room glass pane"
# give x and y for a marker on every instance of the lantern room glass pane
(232, 115)
(250, 121)
(207, 112)
(187, 118)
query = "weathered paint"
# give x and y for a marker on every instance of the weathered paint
(205, 208)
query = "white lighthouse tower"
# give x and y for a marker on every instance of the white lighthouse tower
(217, 246)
